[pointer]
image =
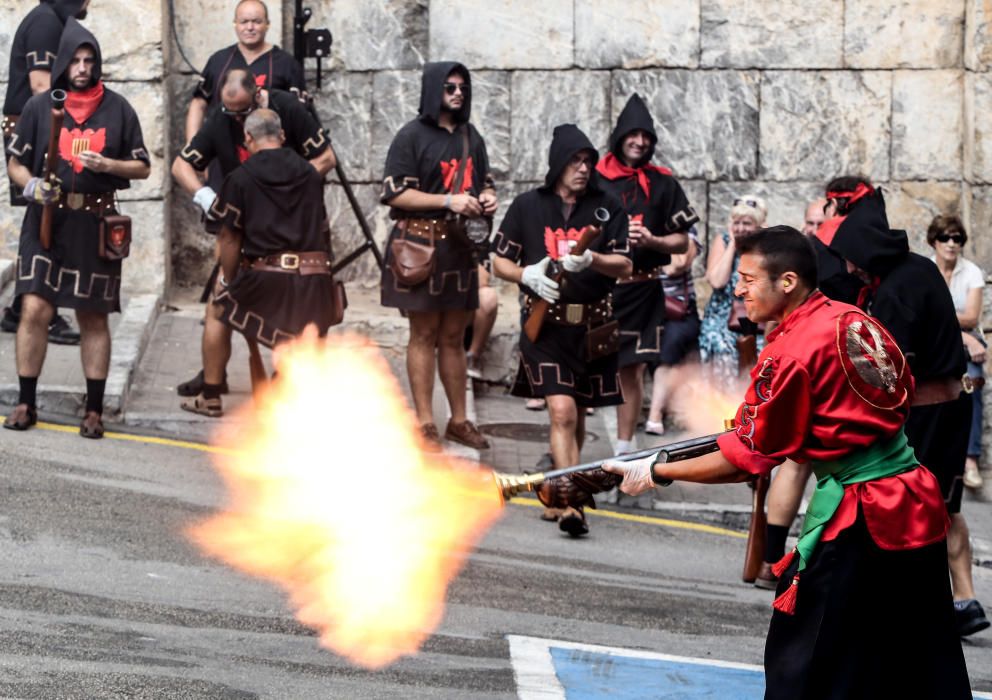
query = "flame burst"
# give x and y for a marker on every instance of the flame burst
(333, 498)
(702, 402)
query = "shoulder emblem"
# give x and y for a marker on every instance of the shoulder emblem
(873, 363)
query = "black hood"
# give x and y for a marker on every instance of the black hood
(432, 91)
(864, 237)
(283, 174)
(73, 36)
(635, 115)
(65, 8)
(566, 141)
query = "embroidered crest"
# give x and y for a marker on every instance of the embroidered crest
(556, 241)
(260, 80)
(72, 142)
(449, 168)
(871, 359)
(762, 387)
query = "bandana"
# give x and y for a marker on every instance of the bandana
(862, 190)
(612, 168)
(81, 105)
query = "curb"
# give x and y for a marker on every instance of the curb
(6, 272)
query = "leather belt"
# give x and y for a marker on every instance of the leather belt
(593, 314)
(8, 124)
(651, 274)
(934, 391)
(434, 229)
(95, 203)
(315, 262)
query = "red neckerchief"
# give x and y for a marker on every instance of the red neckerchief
(862, 190)
(867, 293)
(612, 168)
(81, 105)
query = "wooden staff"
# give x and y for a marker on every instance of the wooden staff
(51, 162)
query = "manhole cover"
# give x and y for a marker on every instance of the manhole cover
(528, 432)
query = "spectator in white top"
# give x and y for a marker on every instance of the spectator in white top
(947, 236)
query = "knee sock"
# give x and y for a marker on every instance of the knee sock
(211, 391)
(94, 394)
(775, 542)
(29, 390)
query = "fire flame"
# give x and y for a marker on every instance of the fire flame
(333, 498)
(701, 401)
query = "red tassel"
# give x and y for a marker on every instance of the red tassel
(786, 602)
(782, 564)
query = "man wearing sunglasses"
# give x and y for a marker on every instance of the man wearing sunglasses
(221, 142)
(572, 364)
(437, 170)
(660, 216)
(907, 293)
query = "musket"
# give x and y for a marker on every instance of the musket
(51, 162)
(511, 485)
(754, 552)
(539, 309)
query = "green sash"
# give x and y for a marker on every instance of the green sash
(884, 458)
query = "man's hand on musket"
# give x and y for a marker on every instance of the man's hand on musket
(489, 202)
(42, 191)
(636, 473)
(94, 161)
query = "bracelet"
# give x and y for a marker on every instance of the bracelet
(447, 201)
(659, 480)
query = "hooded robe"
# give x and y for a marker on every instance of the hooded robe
(275, 202)
(425, 156)
(910, 297)
(652, 195)
(536, 226)
(71, 274)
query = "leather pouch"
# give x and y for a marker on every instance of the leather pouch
(602, 341)
(411, 262)
(676, 308)
(115, 237)
(339, 302)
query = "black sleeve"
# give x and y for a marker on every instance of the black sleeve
(209, 78)
(509, 239)
(23, 140)
(480, 166)
(401, 167)
(200, 151)
(307, 136)
(42, 43)
(616, 229)
(133, 145)
(229, 206)
(681, 216)
(898, 317)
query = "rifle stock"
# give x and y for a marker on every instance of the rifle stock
(754, 553)
(51, 162)
(539, 309)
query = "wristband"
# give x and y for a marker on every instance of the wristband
(447, 201)
(659, 480)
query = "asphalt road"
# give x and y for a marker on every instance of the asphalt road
(102, 595)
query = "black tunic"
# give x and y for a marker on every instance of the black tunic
(71, 274)
(663, 209)
(425, 157)
(275, 201)
(273, 70)
(536, 227)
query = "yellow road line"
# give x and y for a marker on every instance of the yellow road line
(147, 439)
(647, 520)
(200, 447)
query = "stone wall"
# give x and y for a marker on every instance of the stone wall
(131, 35)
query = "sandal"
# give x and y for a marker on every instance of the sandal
(211, 408)
(22, 418)
(92, 426)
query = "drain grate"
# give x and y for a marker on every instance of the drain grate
(527, 432)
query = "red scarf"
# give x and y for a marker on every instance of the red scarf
(81, 105)
(862, 190)
(867, 293)
(612, 168)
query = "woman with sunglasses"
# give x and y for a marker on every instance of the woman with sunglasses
(717, 342)
(946, 235)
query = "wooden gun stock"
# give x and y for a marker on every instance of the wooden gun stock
(755, 551)
(539, 309)
(51, 162)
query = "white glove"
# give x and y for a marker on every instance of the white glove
(41, 191)
(204, 198)
(576, 263)
(636, 474)
(535, 276)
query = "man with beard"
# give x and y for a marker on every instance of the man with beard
(222, 141)
(907, 293)
(100, 151)
(542, 226)
(436, 176)
(660, 217)
(32, 54)
(274, 250)
(270, 66)
(864, 605)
